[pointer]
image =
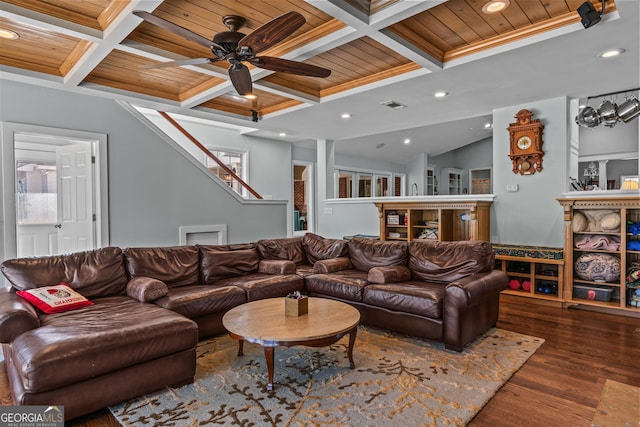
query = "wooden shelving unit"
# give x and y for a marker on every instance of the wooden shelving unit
(442, 220)
(545, 276)
(628, 207)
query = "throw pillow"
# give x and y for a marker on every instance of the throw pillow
(55, 299)
(146, 289)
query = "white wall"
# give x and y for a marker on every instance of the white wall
(531, 216)
(153, 189)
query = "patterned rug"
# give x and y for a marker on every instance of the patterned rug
(397, 379)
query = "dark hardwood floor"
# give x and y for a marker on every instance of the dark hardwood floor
(561, 383)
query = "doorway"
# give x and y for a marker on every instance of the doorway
(302, 197)
(54, 191)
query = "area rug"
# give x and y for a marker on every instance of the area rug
(619, 406)
(398, 380)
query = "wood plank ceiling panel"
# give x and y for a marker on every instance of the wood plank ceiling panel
(121, 70)
(38, 49)
(84, 12)
(452, 29)
(265, 103)
(350, 62)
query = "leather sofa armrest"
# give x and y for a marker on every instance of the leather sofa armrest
(332, 265)
(470, 290)
(17, 316)
(389, 274)
(276, 266)
(146, 289)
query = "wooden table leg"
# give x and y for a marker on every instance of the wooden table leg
(352, 341)
(269, 357)
(240, 347)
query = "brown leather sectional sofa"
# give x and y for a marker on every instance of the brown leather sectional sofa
(152, 305)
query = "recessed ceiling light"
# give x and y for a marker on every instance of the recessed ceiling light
(495, 6)
(487, 125)
(407, 141)
(346, 116)
(9, 35)
(251, 96)
(611, 53)
(283, 134)
(440, 94)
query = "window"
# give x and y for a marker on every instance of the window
(345, 185)
(353, 183)
(234, 160)
(37, 200)
(382, 186)
(398, 185)
(364, 185)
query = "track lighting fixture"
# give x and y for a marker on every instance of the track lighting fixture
(589, 15)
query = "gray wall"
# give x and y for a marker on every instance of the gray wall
(153, 189)
(477, 155)
(269, 160)
(532, 215)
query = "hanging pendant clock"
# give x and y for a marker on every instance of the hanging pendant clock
(526, 143)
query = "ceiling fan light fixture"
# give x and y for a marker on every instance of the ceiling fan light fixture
(251, 96)
(495, 6)
(8, 34)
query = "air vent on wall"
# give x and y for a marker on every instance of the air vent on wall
(393, 104)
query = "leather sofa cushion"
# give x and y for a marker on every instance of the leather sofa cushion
(228, 247)
(422, 299)
(289, 248)
(276, 266)
(445, 262)
(197, 300)
(304, 270)
(366, 253)
(114, 333)
(96, 273)
(346, 285)
(217, 264)
(317, 247)
(174, 265)
(390, 274)
(261, 286)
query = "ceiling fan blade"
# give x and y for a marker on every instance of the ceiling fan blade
(241, 79)
(290, 67)
(176, 29)
(272, 32)
(195, 61)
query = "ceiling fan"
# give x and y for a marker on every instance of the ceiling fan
(236, 47)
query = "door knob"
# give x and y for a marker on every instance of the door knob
(58, 226)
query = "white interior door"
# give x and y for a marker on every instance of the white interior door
(75, 201)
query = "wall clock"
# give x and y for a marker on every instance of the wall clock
(525, 149)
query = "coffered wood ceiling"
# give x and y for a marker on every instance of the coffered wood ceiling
(367, 44)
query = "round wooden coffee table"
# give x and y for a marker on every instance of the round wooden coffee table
(264, 322)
